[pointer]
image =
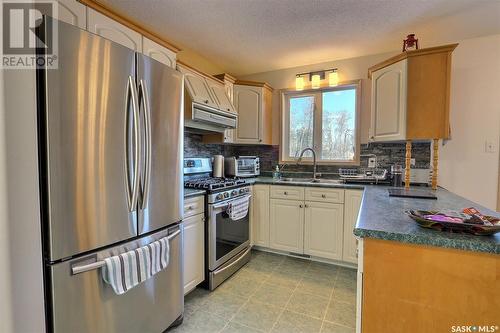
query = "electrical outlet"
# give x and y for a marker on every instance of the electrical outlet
(412, 162)
(490, 147)
(372, 162)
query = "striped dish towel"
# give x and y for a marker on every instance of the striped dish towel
(127, 270)
(238, 208)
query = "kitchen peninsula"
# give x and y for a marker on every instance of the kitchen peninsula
(427, 280)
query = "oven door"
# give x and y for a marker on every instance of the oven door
(226, 237)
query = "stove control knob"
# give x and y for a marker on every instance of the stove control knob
(226, 195)
(219, 196)
(247, 189)
(234, 192)
(242, 190)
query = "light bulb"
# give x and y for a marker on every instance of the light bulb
(299, 83)
(333, 79)
(315, 81)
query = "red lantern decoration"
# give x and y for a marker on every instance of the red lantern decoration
(410, 43)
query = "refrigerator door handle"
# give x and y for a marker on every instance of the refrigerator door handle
(147, 128)
(98, 264)
(132, 95)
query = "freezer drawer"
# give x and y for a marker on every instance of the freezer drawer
(85, 303)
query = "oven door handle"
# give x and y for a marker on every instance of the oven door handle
(225, 204)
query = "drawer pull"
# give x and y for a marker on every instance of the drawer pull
(323, 195)
(300, 206)
(285, 193)
(306, 206)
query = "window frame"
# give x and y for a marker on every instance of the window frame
(286, 94)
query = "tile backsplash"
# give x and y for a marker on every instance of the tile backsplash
(387, 154)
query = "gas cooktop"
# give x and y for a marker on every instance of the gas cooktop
(212, 184)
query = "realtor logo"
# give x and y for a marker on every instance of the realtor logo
(27, 41)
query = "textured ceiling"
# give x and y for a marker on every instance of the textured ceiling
(251, 36)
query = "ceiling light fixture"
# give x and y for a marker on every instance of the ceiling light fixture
(316, 77)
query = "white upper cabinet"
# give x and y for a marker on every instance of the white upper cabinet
(108, 28)
(388, 107)
(248, 102)
(323, 229)
(158, 52)
(219, 93)
(352, 204)
(72, 12)
(198, 87)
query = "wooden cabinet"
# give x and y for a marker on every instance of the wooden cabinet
(253, 102)
(352, 203)
(260, 215)
(287, 192)
(194, 252)
(199, 90)
(323, 231)
(321, 194)
(108, 28)
(411, 95)
(158, 52)
(194, 206)
(287, 225)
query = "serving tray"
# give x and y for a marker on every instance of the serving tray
(422, 218)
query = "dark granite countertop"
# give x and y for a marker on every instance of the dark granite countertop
(384, 217)
(193, 192)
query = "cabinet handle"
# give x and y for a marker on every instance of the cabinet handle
(306, 206)
(300, 206)
(260, 140)
(206, 101)
(285, 193)
(228, 109)
(323, 196)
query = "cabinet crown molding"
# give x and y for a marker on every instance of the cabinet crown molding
(197, 71)
(410, 54)
(226, 77)
(254, 83)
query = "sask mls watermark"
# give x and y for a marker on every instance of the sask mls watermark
(27, 41)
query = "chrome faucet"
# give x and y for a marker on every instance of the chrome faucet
(315, 174)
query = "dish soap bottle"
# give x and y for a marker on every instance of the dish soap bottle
(276, 173)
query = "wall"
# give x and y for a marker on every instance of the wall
(349, 69)
(197, 61)
(465, 167)
(387, 154)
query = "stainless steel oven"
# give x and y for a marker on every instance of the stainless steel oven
(228, 241)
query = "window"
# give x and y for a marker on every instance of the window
(324, 119)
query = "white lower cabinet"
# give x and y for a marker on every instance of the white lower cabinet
(260, 215)
(194, 252)
(323, 231)
(352, 203)
(287, 225)
(315, 221)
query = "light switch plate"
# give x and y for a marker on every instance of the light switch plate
(412, 162)
(372, 162)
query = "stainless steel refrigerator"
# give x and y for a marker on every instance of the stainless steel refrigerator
(111, 146)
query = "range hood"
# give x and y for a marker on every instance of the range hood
(207, 119)
(207, 108)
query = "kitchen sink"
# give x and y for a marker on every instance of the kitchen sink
(296, 180)
(310, 180)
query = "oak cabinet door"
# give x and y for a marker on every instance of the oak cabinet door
(287, 225)
(323, 229)
(194, 252)
(388, 105)
(352, 204)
